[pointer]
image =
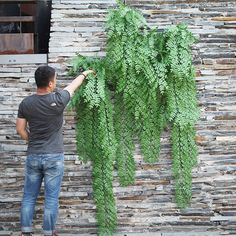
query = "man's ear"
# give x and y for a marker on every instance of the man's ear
(50, 84)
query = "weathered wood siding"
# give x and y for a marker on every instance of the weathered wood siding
(148, 205)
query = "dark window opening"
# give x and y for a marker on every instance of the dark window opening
(24, 26)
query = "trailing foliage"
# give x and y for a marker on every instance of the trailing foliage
(124, 131)
(104, 156)
(140, 74)
(184, 156)
(145, 83)
(96, 138)
(181, 109)
(94, 91)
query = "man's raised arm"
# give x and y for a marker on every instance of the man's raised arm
(78, 81)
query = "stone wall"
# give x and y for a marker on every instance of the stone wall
(148, 205)
(16, 82)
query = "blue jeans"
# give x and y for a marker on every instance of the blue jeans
(39, 167)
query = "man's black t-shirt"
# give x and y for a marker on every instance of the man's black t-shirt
(44, 114)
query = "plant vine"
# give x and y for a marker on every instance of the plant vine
(144, 84)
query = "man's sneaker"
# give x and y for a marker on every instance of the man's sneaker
(26, 234)
(53, 234)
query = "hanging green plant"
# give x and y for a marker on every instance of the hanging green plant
(182, 111)
(144, 84)
(96, 140)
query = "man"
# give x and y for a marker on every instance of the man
(43, 112)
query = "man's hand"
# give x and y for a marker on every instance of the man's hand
(90, 71)
(78, 81)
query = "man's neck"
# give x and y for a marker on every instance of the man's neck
(43, 91)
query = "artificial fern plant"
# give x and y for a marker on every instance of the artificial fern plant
(144, 84)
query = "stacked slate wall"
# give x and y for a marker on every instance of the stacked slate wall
(148, 205)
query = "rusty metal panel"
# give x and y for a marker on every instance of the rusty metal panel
(23, 59)
(18, 1)
(17, 43)
(16, 18)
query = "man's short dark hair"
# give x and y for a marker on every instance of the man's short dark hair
(43, 75)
